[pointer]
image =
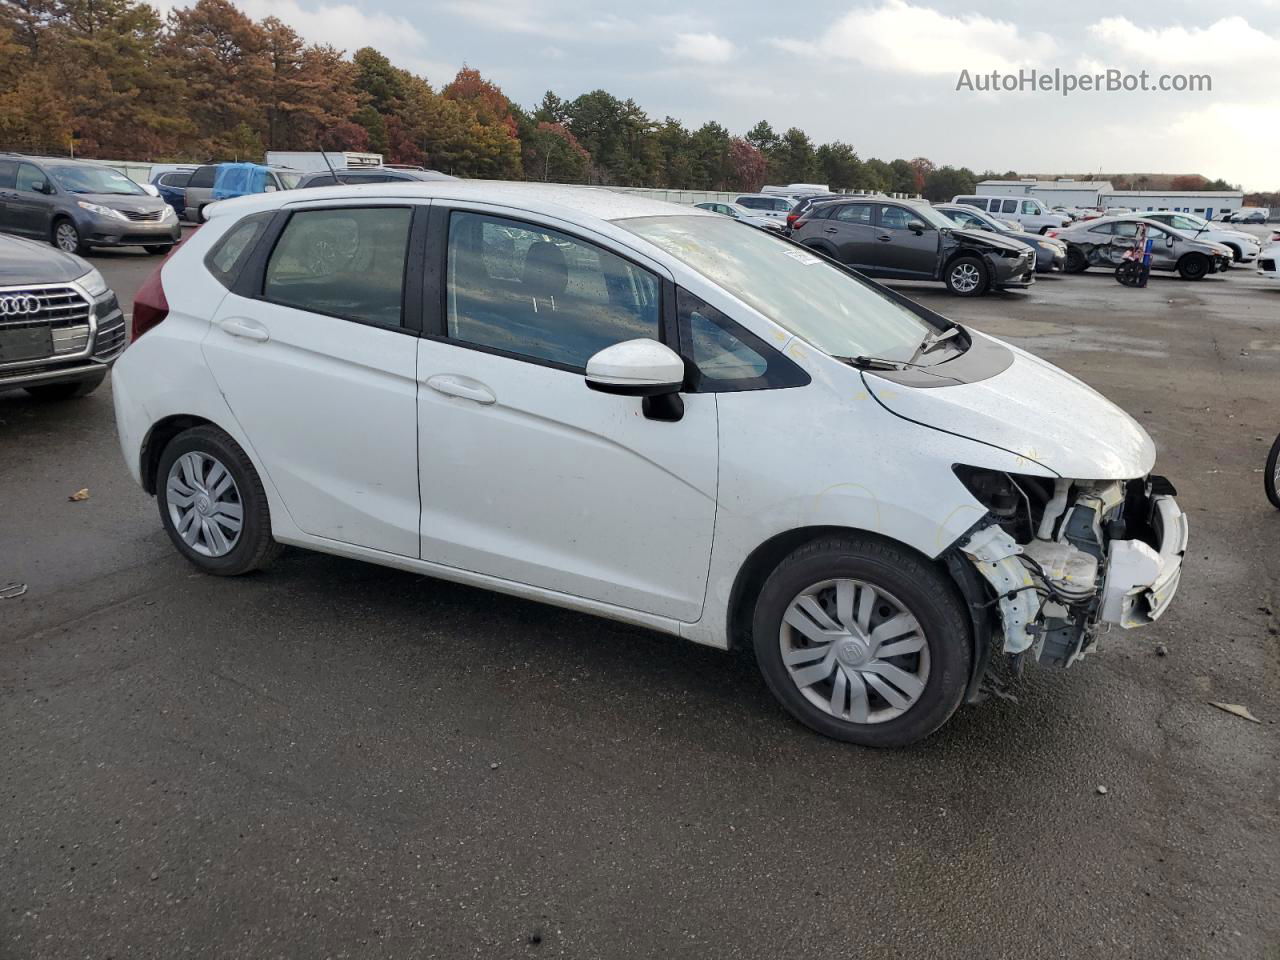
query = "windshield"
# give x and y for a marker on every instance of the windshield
(802, 293)
(95, 180)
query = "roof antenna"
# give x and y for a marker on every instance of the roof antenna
(325, 157)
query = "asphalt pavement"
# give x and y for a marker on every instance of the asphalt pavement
(332, 759)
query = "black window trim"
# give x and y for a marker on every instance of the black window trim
(781, 372)
(436, 310)
(243, 263)
(251, 283)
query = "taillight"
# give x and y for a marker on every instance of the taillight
(149, 304)
(800, 222)
(792, 218)
(1051, 233)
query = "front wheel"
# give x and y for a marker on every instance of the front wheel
(157, 248)
(863, 641)
(66, 237)
(967, 277)
(212, 503)
(1077, 262)
(1271, 477)
(1194, 266)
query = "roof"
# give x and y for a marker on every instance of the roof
(549, 198)
(1176, 193)
(1050, 184)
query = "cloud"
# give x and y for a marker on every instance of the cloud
(902, 38)
(1229, 41)
(701, 48)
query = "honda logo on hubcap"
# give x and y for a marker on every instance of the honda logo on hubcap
(18, 306)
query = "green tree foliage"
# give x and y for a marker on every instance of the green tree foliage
(943, 183)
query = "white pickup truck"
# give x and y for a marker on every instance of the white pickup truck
(1034, 216)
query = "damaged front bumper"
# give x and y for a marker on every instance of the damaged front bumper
(1098, 554)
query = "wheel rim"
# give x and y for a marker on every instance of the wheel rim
(965, 277)
(1275, 476)
(204, 504)
(67, 237)
(854, 651)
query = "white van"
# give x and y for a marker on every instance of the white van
(1028, 211)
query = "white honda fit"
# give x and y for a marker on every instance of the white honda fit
(651, 413)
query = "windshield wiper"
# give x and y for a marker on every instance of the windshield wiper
(876, 363)
(933, 339)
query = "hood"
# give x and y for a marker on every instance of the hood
(995, 240)
(26, 261)
(1032, 409)
(127, 203)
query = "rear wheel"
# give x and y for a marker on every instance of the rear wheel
(65, 391)
(66, 237)
(157, 248)
(212, 503)
(1194, 266)
(863, 641)
(1271, 477)
(967, 277)
(1077, 262)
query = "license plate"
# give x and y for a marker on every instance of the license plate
(25, 343)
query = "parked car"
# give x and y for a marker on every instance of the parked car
(172, 185)
(1267, 262)
(76, 205)
(904, 240)
(1244, 247)
(61, 326)
(1250, 216)
(1034, 216)
(766, 205)
(203, 183)
(743, 214)
(804, 203)
(325, 178)
(1051, 254)
(1106, 240)
(667, 354)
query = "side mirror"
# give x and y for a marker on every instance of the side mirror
(636, 368)
(916, 226)
(269, 188)
(1169, 240)
(42, 186)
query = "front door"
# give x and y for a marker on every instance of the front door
(319, 369)
(903, 251)
(529, 476)
(29, 210)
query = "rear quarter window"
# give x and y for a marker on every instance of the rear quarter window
(227, 257)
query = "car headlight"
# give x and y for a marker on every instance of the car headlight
(169, 214)
(100, 210)
(94, 284)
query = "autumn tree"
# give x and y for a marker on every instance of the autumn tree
(747, 164)
(553, 153)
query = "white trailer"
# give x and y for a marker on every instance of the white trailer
(315, 160)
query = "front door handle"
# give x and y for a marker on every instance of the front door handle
(885, 237)
(246, 329)
(828, 229)
(464, 387)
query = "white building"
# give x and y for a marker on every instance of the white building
(1100, 194)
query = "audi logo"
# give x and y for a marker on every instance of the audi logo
(18, 306)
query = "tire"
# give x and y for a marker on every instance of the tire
(967, 277)
(157, 249)
(211, 501)
(931, 675)
(1077, 262)
(1236, 253)
(1269, 479)
(1193, 266)
(66, 237)
(200, 214)
(66, 391)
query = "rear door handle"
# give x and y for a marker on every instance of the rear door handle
(454, 386)
(884, 236)
(246, 329)
(828, 229)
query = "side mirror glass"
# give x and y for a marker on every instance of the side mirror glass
(636, 368)
(42, 186)
(269, 188)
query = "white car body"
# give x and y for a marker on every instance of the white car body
(766, 204)
(739, 212)
(1031, 213)
(1269, 263)
(1244, 247)
(425, 454)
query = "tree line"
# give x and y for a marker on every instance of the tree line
(116, 80)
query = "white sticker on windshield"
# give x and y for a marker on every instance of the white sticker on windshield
(803, 256)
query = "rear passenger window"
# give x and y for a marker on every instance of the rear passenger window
(227, 256)
(345, 262)
(525, 290)
(853, 213)
(1010, 206)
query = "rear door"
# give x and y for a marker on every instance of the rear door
(851, 229)
(527, 475)
(317, 362)
(902, 251)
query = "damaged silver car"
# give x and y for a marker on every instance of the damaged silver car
(1107, 242)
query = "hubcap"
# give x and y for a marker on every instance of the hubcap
(67, 238)
(854, 651)
(964, 277)
(204, 504)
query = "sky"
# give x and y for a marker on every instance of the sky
(879, 74)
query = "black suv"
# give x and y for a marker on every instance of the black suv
(60, 325)
(902, 240)
(324, 178)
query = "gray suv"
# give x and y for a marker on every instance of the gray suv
(60, 325)
(77, 205)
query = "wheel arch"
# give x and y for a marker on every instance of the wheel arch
(158, 437)
(820, 245)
